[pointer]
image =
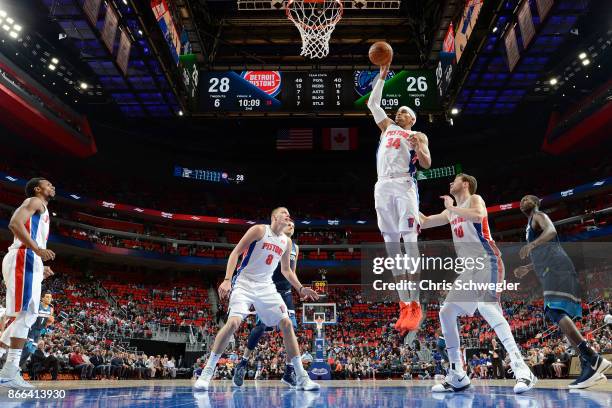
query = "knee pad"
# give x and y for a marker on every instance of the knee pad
(255, 335)
(391, 237)
(449, 311)
(21, 325)
(293, 319)
(555, 315)
(492, 313)
(410, 236)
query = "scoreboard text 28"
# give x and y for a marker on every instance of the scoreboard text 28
(313, 91)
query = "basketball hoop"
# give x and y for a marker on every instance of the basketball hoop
(316, 20)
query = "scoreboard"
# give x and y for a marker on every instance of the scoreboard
(313, 91)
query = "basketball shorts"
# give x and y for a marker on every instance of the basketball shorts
(22, 271)
(468, 298)
(287, 296)
(397, 205)
(264, 297)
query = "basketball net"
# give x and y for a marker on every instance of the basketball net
(315, 20)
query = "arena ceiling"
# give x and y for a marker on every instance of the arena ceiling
(253, 34)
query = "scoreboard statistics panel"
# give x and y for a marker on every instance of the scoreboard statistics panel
(313, 91)
(316, 91)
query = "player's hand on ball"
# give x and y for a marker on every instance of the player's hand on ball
(47, 272)
(448, 202)
(224, 289)
(525, 251)
(521, 271)
(384, 71)
(45, 254)
(308, 294)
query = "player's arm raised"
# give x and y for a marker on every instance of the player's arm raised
(292, 277)
(549, 232)
(380, 116)
(255, 233)
(17, 226)
(433, 221)
(474, 213)
(421, 146)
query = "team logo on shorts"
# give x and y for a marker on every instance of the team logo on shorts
(411, 222)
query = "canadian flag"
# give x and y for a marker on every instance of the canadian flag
(340, 138)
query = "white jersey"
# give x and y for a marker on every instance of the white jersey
(38, 228)
(396, 155)
(473, 239)
(262, 257)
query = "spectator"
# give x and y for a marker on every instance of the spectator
(77, 361)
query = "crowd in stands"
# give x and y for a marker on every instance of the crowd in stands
(96, 312)
(536, 175)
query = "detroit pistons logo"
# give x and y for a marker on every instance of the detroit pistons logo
(267, 81)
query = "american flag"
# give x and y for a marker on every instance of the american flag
(294, 139)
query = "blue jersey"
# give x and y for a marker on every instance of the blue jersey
(282, 284)
(40, 323)
(549, 255)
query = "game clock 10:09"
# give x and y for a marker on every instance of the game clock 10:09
(314, 91)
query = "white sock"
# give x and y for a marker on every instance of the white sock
(212, 360)
(13, 357)
(494, 316)
(298, 367)
(448, 323)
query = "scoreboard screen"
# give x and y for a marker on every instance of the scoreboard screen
(214, 176)
(320, 287)
(313, 91)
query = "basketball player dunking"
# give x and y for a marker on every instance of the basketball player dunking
(283, 286)
(557, 275)
(472, 239)
(396, 192)
(23, 272)
(263, 247)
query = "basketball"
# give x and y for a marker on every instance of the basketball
(381, 53)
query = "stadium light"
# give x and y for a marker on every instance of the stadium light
(582, 55)
(454, 111)
(495, 29)
(51, 67)
(17, 27)
(54, 61)
(84, 85)
(180, 113)
(13, 34)
(2, 13)
(586, 62)
(553, 81)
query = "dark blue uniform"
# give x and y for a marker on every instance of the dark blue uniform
(556, 273)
